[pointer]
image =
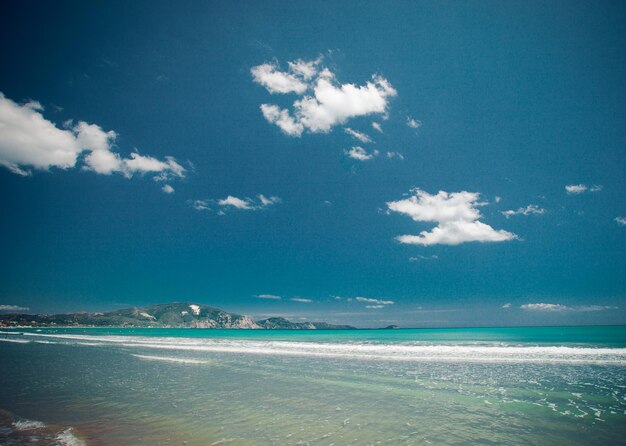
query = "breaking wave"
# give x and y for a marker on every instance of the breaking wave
(494, 353)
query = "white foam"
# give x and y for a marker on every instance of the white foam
(362, 351)
(26, 425)
(171, 359)
(16, 341)
(67, 438)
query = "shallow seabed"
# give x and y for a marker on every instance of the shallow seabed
(115, 389)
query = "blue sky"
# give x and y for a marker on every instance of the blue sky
(370, 163)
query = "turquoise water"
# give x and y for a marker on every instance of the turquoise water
(529, 385)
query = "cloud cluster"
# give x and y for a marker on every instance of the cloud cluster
(575, 189)
(232, 202)
(456, 214)
(323, 102)
(528, 210)
(360, 154)
(30, 141)
(621, 221)
(558, 307)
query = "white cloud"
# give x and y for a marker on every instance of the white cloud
(374, 301)
(281, 117)
(419, 257)
(277, 81)
(244, 204)
(359, 153)
(621, 221)
(575, 189)
(167, 189)
(327, 102)
(201, 205)
(235, 202)
(304, 69)
(13, 308)
(505, 306)
(374, 306)
(528, 210)
(358, 135)
(497, 199)
(300, 299)
(376, 126)
(28, 140)
(103, 162)
(268, 296)
(413, 123)
(456, 215)
(268, 201)
(558, 307)
(395, 155)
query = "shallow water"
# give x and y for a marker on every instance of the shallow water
(201, 387)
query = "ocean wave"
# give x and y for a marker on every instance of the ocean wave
(171, 359)
(497, 353)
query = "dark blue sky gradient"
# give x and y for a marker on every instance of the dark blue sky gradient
(517, 99)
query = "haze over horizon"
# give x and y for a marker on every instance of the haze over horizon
(440, 164)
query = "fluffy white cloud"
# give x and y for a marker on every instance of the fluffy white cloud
(359, 153)
(167, 189)
(374, 301)
(456, 215)
(374, 306)
(277, 81)
(558, 307)
(621, 221)
(413, 123)
(376, 126)
(306, 70)
(235, 202)
(358, 135)
(103, 162)
(281, 117)
(323, 102)
(301, 299)
(528, 210)
(575, 189)
(28, 140)
(13, 308)
(505, 306)
(268, 296)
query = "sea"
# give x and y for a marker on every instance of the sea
(464, 386)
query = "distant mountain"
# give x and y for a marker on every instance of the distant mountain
(171, 315)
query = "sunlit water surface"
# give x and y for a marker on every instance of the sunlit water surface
(538, 386)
